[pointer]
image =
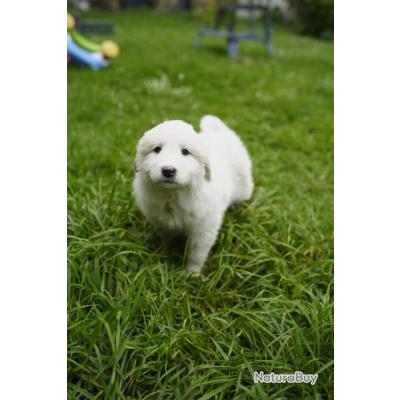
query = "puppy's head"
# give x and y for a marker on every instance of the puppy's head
(172, 155)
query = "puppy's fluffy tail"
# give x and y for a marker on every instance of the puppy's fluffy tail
(211, 123)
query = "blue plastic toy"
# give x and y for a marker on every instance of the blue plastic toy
(94, 60)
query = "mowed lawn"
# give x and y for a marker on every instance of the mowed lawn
(139, 326)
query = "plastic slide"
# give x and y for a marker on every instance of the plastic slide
(79, 55)
(83, 51)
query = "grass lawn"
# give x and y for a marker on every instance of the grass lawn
(139, 327)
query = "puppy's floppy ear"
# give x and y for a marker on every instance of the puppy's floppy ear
(143, 148)
(201, 156)
(208, 170)
(137, 164)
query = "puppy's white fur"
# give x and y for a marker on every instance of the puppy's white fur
(215, 174)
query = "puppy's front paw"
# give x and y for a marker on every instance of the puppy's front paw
(194, 270)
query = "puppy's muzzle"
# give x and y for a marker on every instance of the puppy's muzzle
(168, 172)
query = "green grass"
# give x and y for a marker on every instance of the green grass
(139, 327)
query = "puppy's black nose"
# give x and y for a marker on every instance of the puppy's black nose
(168, 172)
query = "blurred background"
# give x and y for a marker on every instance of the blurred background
(313, 17)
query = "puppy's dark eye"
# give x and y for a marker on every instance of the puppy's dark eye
(185, 152)
(157, 149)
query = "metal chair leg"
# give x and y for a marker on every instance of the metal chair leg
(197, 42)
(233, 48)
(270, 48)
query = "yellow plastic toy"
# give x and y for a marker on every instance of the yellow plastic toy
(70, 22)
(109, 49)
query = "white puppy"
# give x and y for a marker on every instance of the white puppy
(185, 181)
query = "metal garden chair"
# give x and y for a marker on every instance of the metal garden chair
(225, 23)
